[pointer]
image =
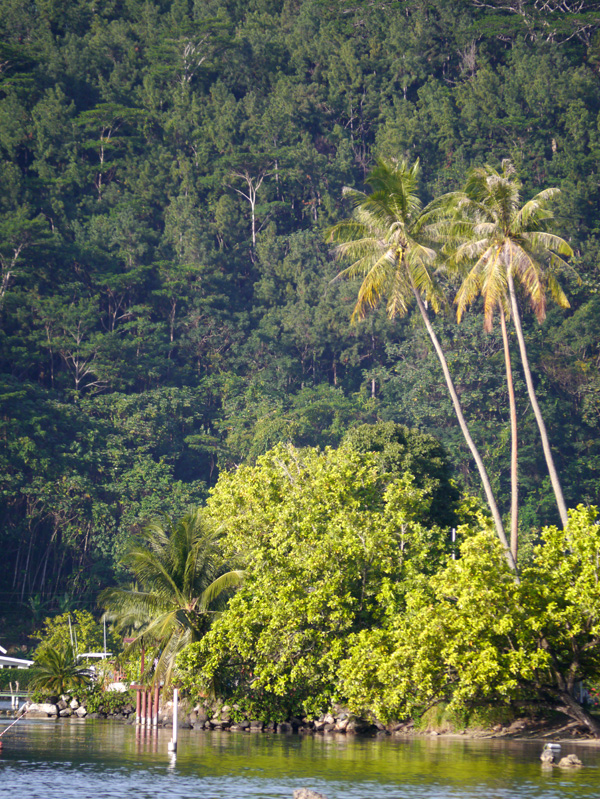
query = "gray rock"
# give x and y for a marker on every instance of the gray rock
(356, 725)
(307, 793)
(81, 712)
(570, 761)
(65, 712)
(285, 728)
(73, 704)
(42, 710)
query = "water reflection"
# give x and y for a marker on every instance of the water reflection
(94, 759)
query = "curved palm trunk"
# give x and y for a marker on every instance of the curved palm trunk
(560, 501)
(465, 431)
(514, 456)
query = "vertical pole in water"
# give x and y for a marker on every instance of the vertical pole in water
(149, 708)
(143, 707)
(173, 742)
(138, 705)
(156, 701)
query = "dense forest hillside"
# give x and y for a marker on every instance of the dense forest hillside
(167, 310)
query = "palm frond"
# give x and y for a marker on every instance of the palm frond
(231, 579)
(178, 567)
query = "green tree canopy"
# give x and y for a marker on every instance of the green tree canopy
(324, 535)
(470, 634)
(401, 450)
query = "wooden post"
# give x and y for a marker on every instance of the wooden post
(143, 706)
(138, 706)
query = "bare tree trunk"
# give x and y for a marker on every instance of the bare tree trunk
(465, 431)
(560, 501)
(253, 184)
(514, 454)
(575, 711)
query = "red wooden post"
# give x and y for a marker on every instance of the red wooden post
(143, 706)
(138, 706)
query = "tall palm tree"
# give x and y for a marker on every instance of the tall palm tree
(384, 239)
(505, 243)
(179, 569)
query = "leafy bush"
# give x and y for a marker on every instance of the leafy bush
(98, 701)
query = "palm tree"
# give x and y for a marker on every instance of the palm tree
(383, 239)
(57, 671)
(505, 243)
(179, 569)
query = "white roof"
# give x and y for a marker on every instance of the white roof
(14, 663)
(102, 655)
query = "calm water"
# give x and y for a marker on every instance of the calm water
(73, 759)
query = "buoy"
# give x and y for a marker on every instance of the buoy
(552, 747)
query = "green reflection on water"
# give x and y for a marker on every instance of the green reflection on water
(460, 767)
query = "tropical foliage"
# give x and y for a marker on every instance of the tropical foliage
(179, 570)
(471, 634)
(373, 607)
(503, 244)
(58, 671)
(327, 537)
(166, 304)
(77, 629)
(384, 237)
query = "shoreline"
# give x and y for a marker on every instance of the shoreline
(216, 715)
(538, 732)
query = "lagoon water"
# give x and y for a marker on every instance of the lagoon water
(73, 759)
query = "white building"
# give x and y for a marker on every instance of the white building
(13, 663)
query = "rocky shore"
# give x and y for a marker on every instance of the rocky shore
(207, 716)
